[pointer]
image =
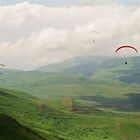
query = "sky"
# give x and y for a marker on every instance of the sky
(70, 2)
(40, 32)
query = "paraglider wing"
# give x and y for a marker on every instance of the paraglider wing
(127, 47)
(94, 31)
(2, 65)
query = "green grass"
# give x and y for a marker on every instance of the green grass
(104, 105)
(110, 80)
(51, 119)
(44, 85)
(10, 129)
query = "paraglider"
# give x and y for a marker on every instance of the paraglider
(1, 65)
(94, 32)
(126, 46)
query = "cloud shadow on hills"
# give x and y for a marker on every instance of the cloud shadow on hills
(131, 103)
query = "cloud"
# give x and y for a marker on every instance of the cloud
(59, 2)
(33, 35)
(96, 2)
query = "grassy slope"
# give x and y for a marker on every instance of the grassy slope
(37, 83)
(41, 84)
(109, 78)
(52, 121)
(26, 110)
(10, 129)
(105, 90)
(107, 87)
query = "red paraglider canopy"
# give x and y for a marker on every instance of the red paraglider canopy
(127, 46)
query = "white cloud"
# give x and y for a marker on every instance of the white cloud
(97, 2)
(33, 35)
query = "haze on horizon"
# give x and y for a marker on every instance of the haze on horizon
(36, 33)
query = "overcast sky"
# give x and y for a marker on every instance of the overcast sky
(41, 32)
(71, 2)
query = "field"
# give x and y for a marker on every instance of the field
(68, 105)
(67, 118)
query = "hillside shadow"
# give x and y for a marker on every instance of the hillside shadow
(131, 103)
(4, 94)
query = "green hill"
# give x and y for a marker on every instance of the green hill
(73, 65)
(27, 110)
(90, 65)
(80, 79)
(79, 101)
(10, 129)
(53, 119)
(109, 79)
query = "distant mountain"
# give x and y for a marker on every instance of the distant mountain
(116, 69)
(9, 69)
(88, 63)
(73, 77)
